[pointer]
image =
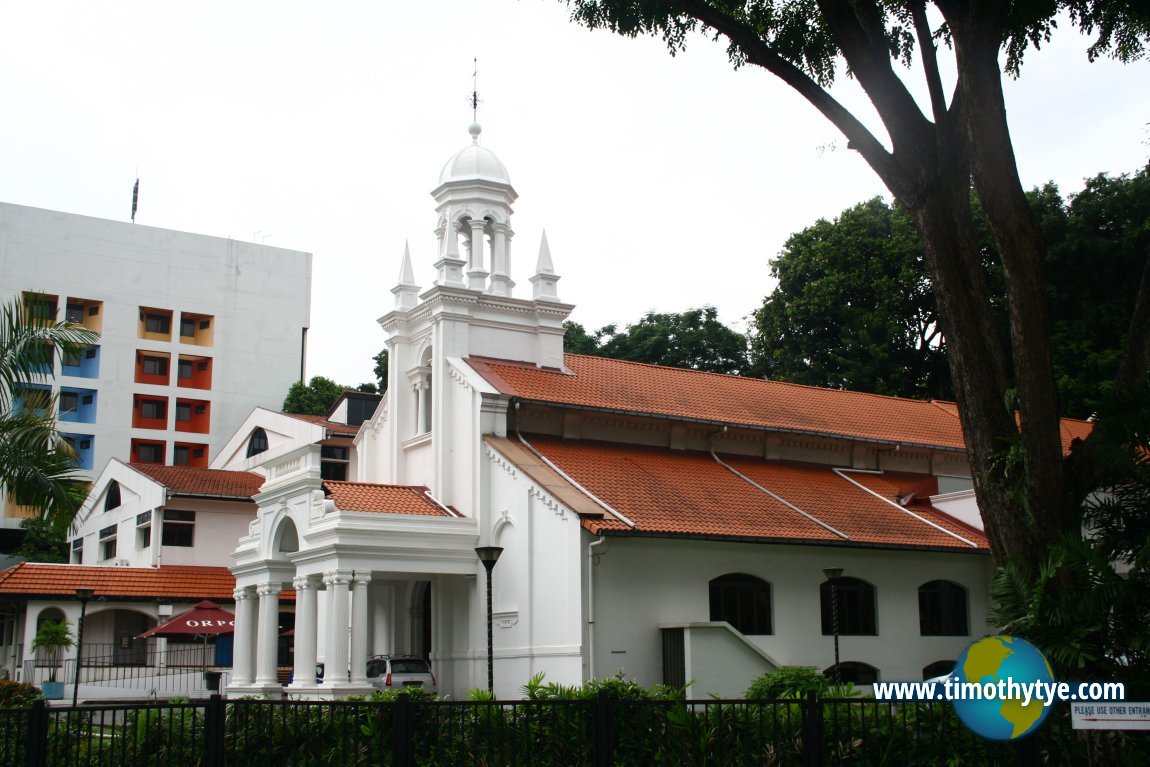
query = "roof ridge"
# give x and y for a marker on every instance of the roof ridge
(736, 377)
(374, 484)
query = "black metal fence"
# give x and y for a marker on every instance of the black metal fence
(597, 732)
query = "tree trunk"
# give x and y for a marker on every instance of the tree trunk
(1020, 243)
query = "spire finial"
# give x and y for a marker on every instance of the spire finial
(475, 90)
(474, 129)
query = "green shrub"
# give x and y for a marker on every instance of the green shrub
(788, 682)
(18, 694)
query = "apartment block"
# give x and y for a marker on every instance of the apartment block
(196, 331)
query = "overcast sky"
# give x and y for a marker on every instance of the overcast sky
(663, 183)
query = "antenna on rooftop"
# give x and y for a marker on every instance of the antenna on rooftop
(475, 90)
(135, 196)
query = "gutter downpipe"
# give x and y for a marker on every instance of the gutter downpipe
(591, 606)
(900, 507)
(759, 487)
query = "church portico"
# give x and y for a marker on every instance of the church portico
(355, 556)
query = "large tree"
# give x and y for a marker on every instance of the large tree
(693, 339)
(853, 305)
(853, 309)
(313, 398)
(1005, 389)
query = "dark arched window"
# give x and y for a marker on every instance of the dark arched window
(942, 609)
(938, 668)
(856, 607)
(112, 497)
(744, 601)
(854, 672)
(258, 442)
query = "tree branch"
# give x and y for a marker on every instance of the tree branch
(747, 39)
(929, 61)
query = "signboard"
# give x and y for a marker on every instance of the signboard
(1127, 715)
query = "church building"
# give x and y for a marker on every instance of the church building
(670, 525)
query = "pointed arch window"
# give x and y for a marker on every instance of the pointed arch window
(942, 609)
(742, 600)
(112, 497)
(258, 442)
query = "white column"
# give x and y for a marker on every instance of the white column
(335, 668)
(244, 638)
(359, 627)
(501, 283)
(419, 395)
(383, 620)
(477, 274)
(267, 642)
(306, 629)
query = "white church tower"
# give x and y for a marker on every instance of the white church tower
(428, 427)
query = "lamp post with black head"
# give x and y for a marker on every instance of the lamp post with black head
(833, 574)
(489, 555)
(83, 594)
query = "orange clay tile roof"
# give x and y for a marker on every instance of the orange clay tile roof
(217, 483)
(332, 426)
(387, 499)
(29, 580)
(683, 493)
(632, 387)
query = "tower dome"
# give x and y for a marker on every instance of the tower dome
(474, 162)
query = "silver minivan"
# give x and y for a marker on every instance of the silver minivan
(388, 673)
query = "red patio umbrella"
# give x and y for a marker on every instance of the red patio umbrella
(206, 619)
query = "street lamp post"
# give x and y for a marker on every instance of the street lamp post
(489, 555)
(83, 595)
(833, 574)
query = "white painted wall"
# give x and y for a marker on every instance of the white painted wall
(641, 584)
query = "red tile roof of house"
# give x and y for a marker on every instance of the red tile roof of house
(30, 580)
(217, 483)
(689, 494)
(386, 499)
(632, 387)
(332, 426)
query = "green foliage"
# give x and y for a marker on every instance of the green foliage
(788, 682)
(1085, 607)
(1097, 247)
(853, 309)
(37, 467)
(314, 398)
(53, 636)
(693, 339)
(380, 369)
(577, 340)
(44, 541)
(18, 694)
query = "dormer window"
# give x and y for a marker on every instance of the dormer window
(112, 497)
(257, 443)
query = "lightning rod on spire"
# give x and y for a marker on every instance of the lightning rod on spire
(475, 90)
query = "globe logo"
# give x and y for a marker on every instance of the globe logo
(990, 661)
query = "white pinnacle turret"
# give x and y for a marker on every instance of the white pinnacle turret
(406, 291)
(544, 280)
